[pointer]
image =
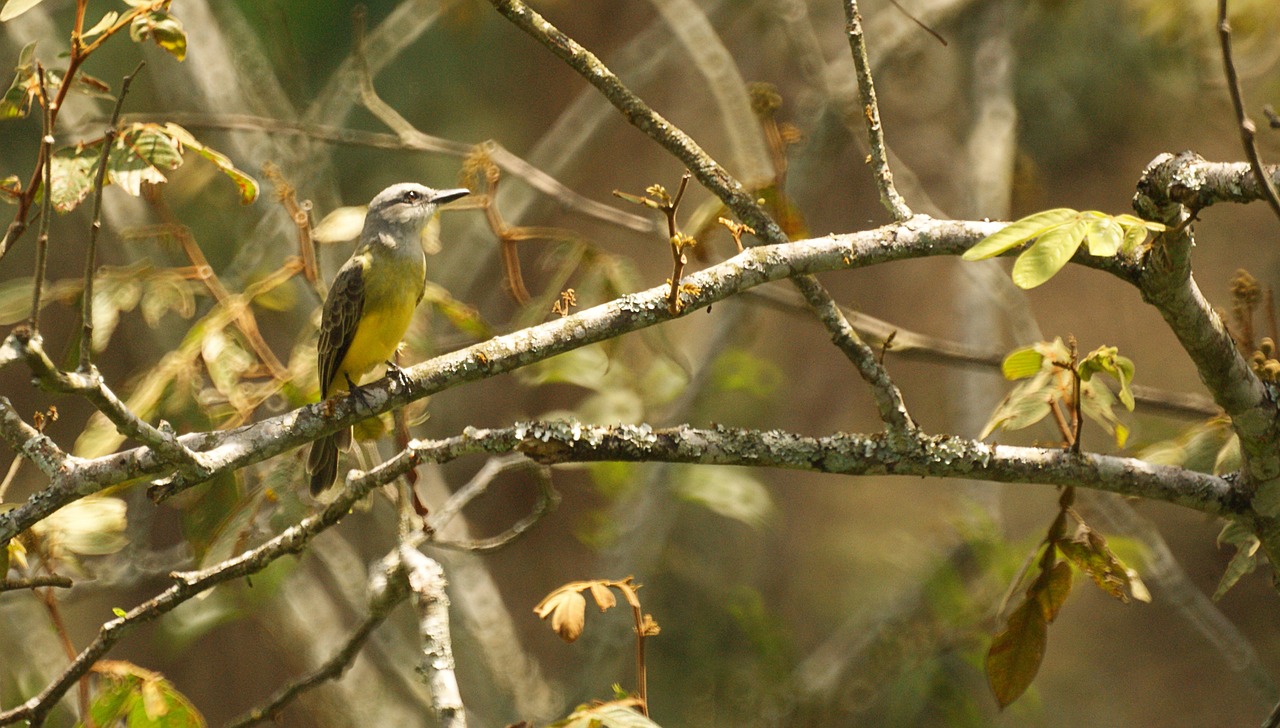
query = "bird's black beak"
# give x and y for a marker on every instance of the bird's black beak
(443, 196)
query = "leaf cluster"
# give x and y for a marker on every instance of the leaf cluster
(1057, 235)
(1053, 379)
(1017, 651)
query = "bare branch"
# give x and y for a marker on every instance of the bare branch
(225, 451)
(731, 192)
(427, 584)
(31, 443)
(95, 227)
(34, 582)
(548, 501)
(90, 385)
(45, 168)
(1248, 130)
(387, 590)
(889, 196)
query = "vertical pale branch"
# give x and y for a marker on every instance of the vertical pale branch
(889, 196)
(90, 264)
(427, 585)
(1247, 128)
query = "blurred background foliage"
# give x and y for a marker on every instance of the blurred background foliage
(785, 599)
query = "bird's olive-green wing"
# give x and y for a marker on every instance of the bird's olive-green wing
(342, 311)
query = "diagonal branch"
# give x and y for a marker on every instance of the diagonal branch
(292, 540)
(387, 589)
(1248, 130)
(731, 192)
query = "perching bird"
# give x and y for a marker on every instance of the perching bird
(371, 303)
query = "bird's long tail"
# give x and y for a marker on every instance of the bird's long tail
(323, 461)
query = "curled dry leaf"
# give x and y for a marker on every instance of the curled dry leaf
(604, 598)
(568, 611)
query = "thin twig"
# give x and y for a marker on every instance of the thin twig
(91, 386)
(889, 196)
(46, 206)
(731, 192)
(9, 476)
(36, 582)
(90, 265)
(548, 500)
(387, 587)
(418, 142)
(1248, 130)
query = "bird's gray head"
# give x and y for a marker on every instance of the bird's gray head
(405, 207)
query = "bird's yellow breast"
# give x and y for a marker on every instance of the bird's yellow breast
(377, 336)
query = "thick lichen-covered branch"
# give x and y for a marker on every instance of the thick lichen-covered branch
(227, 451)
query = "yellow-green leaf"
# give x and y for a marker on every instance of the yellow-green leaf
(1016, 653)
(14, 8)
(1019, 232)
(1088, 550)
(163, 28)
(1022, 363)
(1245, 559)
(1104, 237)
(1048, 254)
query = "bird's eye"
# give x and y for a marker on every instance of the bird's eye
(411, 196)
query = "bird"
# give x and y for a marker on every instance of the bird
(371, 303)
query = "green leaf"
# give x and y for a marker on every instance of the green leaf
(119, 612)
(138, 698)
(461, 316)
(1022, 363)
(1105, 237)
(1107, 359)
(1228, 459)
(340, 225)
(1025, 409)
(1019, 232)
(16, 101)
(1245, 559)
(91, 526)
(247, 185)
(163, 28)
(1016, 653)
(1048, 254)
(586, 367)
(139, 155)
(739, 370)
(14, 8)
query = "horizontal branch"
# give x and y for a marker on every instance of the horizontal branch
(942, 456)
(227, 451)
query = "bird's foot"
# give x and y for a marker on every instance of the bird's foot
(358, 392)
(397, 375)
